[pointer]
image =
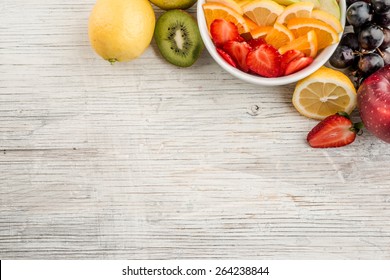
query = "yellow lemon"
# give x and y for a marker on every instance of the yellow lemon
(262, 12)
(323, 93)
(121, 30)
(300, 9)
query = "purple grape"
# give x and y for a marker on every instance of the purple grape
(367, 48)
(380, 6)
(369, 63)
(386, 40)
(342, 57)
(350, 2)
(382, 19)
(350, 40)
(386, 56)
(358, 13)
(370, 37)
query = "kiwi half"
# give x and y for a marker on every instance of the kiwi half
(178, 38)
(173, 4)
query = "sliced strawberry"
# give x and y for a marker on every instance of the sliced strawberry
(238, 51)
(298, 64)
(255, 43)
(334, 131)
(226, 57)
(289, 56)
(222, 31)
(265, 61)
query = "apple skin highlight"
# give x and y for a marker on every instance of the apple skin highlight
(373, 100)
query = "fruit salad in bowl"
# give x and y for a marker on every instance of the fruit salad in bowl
(271, 42)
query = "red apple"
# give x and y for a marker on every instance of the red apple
(373, 98)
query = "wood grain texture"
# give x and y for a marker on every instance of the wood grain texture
(144, 160)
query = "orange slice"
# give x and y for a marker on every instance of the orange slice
(228, 3)
(306, 44)
(279, 36)
(326, 35)
(300, 9)
(327, 18)
(262, 12)
(250, 23)
(214, 11)
(243, 2)
(261, 32)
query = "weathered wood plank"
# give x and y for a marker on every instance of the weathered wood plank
(146, 160)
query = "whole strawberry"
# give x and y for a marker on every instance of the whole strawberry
(334, 131)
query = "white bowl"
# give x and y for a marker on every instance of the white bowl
(319, 61)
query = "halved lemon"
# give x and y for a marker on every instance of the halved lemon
(300, 9)
(263, 12)
(324, 93)
(279, 36)
(326, 34)
(214, 11)
(308, 44)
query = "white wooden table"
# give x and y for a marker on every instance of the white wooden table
(144, 160)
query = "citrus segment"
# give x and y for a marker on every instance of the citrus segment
(286, 2)
(308, 44)
(214, 11)
(228, 3)
(263, 12)
(326, 34)
(300, 9)
(279, 36)
(242, 2)
(316, 3)
(327, 18)
(324, 93)
(330, 6)
(250, 23)
(261, 32)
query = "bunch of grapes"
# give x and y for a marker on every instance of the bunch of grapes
(366, 48)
